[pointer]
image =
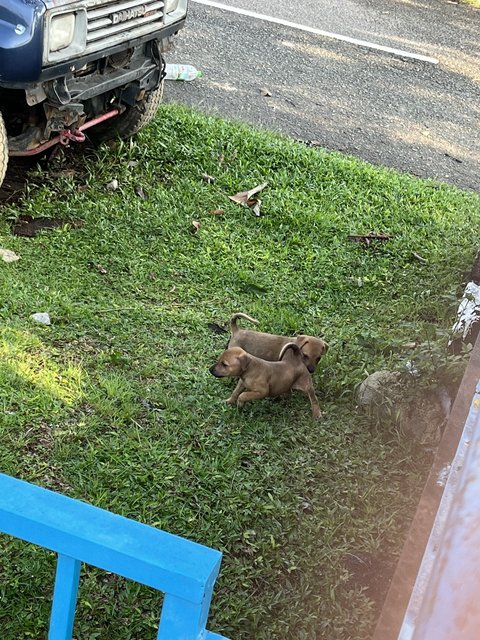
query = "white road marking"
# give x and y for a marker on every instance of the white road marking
(319, 32)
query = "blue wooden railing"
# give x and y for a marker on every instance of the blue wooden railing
(79, 532)
(444, 603)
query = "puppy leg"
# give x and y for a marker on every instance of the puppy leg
(316, 413)
(235, 393)
(248, 396)
(305, 384)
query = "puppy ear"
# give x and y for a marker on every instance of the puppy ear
(326, 347)
(244, 359)
(302, 341)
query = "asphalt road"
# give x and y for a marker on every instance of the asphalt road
(414, 116)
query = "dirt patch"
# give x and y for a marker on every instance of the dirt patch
(372, 572)
(29, 227)
(66, 161)
(13, 186)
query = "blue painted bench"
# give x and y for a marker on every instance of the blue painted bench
(79, 532)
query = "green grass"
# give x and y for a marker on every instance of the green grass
(113, 403)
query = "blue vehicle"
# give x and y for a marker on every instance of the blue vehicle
(66, 66)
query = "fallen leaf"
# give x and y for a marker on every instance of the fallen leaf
(207, 178)
(8, 256)
(100, 269)
(195, 226)
(112, 185)
(132, 163)
(306, 506)
(217, 212)
(311, 143)
(152, 275)
(419, 257)
(242, 197)
(368, 237)
(216, 328)
(65, 173)
(251, 287)
(265, 93)
(447, 155)
(256, 208)
(141, 193)
(151, 405)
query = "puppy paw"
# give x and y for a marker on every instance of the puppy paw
(230, 401)
(317, 415)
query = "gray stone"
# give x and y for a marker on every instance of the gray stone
(41, 318)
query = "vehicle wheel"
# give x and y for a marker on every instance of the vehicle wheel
(3, 150)
(131, 120)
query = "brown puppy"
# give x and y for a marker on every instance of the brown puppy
(261, 379)
(268, 345)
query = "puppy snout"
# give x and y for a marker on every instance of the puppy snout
(213, 371)
(311, 368)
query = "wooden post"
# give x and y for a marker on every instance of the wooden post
(64, 598)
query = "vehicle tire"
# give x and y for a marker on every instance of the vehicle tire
(3, 150)
(131, 120)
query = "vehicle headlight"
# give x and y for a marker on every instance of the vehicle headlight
(175, 10)
(61, 31)
(65, 35)
(171, 5)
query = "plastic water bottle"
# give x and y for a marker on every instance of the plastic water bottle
(181, 72)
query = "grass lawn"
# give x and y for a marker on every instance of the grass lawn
(113, 403)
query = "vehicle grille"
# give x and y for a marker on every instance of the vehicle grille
(114, 22)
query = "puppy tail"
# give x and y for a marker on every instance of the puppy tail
(289, 345)
(235, 317)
